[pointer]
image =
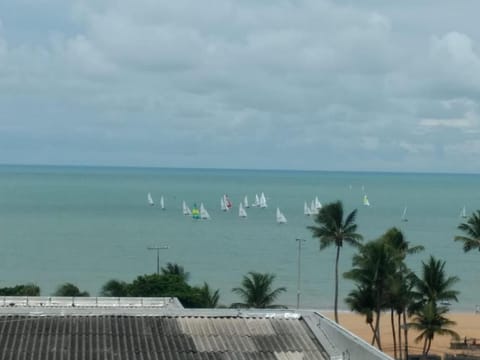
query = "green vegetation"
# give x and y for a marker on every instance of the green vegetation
(21, 290)
(332, 229)
(429, 321)
(256, 291)
(384, 282)
(69, 289)
(471, 230)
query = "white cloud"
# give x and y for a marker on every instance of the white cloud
(314, 76)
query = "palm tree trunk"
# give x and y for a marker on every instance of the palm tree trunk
(335, 302)
(392, 321)
(374, 337)
(428, 347)
(377, 327)
(399, 323)
(405, 333)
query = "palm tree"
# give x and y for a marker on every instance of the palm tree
(471, 239)
(175, 269)
(373, 268)
(256, 291)
(209, 298)
(434, 285)
(332, 229)
(360, 300)
(399, 293)
(430, 321)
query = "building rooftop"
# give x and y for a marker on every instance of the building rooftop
(95, 330)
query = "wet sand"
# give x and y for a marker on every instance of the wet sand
(468, 325)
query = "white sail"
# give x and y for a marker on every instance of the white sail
(257, 201)
(313, 209)
(365, 200)
(245, 202)
(241, 211)
(186, 209)
(306, 209)
(404, 214)
(222, 205)
(162, 203)
(463, 213)
(263, 201)
(318, 204)
(281, 219)
(204, 213)
(150, 199)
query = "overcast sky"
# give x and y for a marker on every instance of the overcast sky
(259, 84)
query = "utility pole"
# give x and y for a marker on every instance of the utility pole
(298, 270)
(158, 248)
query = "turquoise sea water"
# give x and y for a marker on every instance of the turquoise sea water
(88, 225)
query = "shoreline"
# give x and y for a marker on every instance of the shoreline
(467, 326)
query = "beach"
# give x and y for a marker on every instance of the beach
(467, 325)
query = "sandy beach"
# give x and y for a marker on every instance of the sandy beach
(468, 325)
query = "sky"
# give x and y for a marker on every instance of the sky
(256, 84)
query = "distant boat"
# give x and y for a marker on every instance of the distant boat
(257, 201)
(306, 209)
(313, 209)
(241, 211)
(227, 202)
(463, 213)
(281, 219)
(263, 201)
(195, 212)
(162, 203)
(404, 214)
(150, 199)
(245, 202)
(365, 200)
(204, 213)
(222, 204)
(318, 204)
(186, 209)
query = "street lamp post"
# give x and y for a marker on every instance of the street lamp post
(158, 248)
(298, 270)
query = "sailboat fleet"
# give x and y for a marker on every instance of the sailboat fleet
(309, 207)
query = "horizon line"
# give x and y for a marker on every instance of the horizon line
(152, 167)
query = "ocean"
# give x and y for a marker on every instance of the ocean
(87, 225)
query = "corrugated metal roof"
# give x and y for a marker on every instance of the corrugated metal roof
(124, 337)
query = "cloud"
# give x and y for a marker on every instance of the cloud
(311, 81)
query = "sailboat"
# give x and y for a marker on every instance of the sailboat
(318, 204)
(222, 204)
(245, 202)
(257, 201)
(404, 214)
(241, 211)
(263, 201)
(195, 212)
(204, 213)
(186, 209)
(281, 219)
(306, 209)
(227, 202)
(365, 200)
(313, 209)
(150, 199)
(162, 203)
(463, 213)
